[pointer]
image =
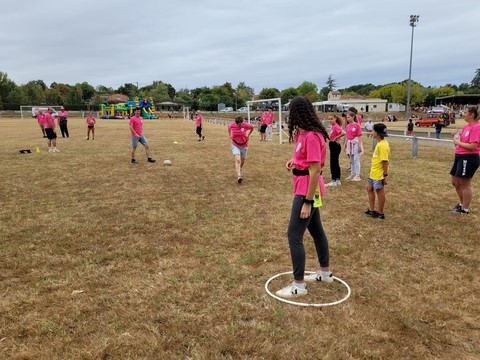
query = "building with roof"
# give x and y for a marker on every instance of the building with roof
(337, 102)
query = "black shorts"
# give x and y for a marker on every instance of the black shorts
(50, 134)
(263, 128)
(199, 130)
(465, 165)
(91, 126)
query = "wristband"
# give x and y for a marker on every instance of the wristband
(306, 201)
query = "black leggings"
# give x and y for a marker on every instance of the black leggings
(199, 131)
(335, 149)
(296, 230)
(64, 129)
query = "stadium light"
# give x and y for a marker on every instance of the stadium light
(413, 22)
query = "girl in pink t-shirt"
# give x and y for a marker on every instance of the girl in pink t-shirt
(41, 121)
(198, 126)
(239, 133)
(354, 145)
(336, 133)
(91, 126)
(467, 160)
(308, 135)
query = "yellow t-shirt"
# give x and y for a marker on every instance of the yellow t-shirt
(380, 154)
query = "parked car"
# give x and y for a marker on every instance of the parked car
(432, 118)
(243, 109)
(227, 109)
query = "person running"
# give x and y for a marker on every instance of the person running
(378, 172)
(467, 160)
(62, 121)
(41, 121)
(354, 145)
(308, 135)
(336, 132)
(91, 121)
(239, 133)
(136, 129)
(198, 124)
(50, 131)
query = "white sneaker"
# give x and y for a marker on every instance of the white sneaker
(331, 183)
(349, 177)
(318, 277)
(356, 178)
(338, 182)
(291, 291)
(55, 150)
(50, 150)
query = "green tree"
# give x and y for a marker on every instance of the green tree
(209, 102)
(35, 92)
(476, 79)
(443, 91)
(288, 94)
(101, 89)
(87, 91)
(6, 86)
(269, 93)
(331, 84)
(18, 96)
(128, 89)
(306, 88)
(183, 97)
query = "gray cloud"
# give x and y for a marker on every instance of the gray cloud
(264, 43)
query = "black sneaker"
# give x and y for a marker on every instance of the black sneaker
(457, 207)
(377, 215)
(240, 179)
(203, 137)
(370, 212)
(460, 211)
(150, 160)
(133, 161)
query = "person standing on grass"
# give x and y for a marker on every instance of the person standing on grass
(336, 132)
(308, 134)
(369, 127)
(91, 121)
(467, 160)
(438, 129)
(263, 126)
(198, 124)
(50, 131)
(410, 128)
(239, 133)
(378, 172)
(354, 145)
(136, 129)
(41, 121)
(269, 121)
(62, 121)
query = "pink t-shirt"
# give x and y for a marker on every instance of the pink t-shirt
(359, 119)
(136, 123)
(41, 119)
(353, 130)
(63, 114)
(335, 131)
(239, 134)
(198, 120)
(263, 119)
(269, 118)
(90, 121)
(470, 134)
(309, 147)
(49, 122)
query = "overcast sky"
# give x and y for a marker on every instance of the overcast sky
(264, 43)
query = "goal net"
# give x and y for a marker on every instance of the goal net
(276, 105)
(30, 111)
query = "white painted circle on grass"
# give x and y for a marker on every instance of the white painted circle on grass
(307, 304)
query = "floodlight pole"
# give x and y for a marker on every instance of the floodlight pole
(413, 21)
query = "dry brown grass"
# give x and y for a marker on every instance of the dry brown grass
(172, 261)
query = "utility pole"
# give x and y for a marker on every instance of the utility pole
(413, 22)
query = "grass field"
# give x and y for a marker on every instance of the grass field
(101, 259)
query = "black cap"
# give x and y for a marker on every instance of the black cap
(380, 129)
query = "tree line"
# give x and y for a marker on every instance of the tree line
(83, 96)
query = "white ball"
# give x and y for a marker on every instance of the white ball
(167, 162)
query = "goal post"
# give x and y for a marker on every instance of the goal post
(30, 111)
(274, 100)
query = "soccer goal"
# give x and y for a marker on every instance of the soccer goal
(29, 111)
(273, 103)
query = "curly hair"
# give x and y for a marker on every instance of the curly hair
(302, 115)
